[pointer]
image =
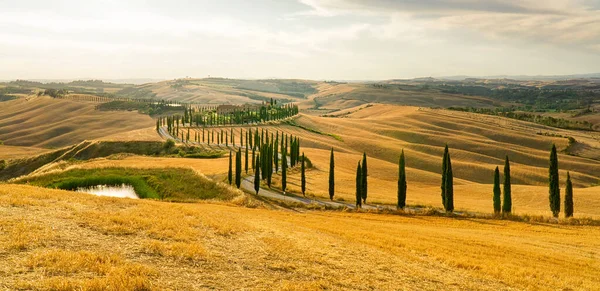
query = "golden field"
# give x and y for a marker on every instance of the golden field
(58, 240)
(46, 122)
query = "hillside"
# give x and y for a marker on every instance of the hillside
(229, 91)
(478, 143)
(48, 243)
(47, 122)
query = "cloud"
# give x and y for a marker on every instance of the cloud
(557, 22)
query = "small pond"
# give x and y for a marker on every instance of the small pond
(122, 191)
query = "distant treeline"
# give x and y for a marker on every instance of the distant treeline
(532, 98)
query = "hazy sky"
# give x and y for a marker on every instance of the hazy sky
(311, 39)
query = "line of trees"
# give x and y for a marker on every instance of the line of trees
(501, 200)
(207, 116)
(266, 148)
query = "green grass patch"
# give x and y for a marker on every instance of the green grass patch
(205, 155)
(171, 184)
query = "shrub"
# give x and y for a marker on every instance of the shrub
(168, 145)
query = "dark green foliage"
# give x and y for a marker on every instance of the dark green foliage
(230, 172)
(257, 175)
(402, 182)
(364, 177)
(246, 161)
(205, 155)
(497, 193)
(276, 154)
(359, 187)
(569, 197)
(331, 176)
(444, 167)
(303, 176)
(554, 191)
(507, 199)
(284, 172)
(238, 168)
(449, 204)
(168, 145)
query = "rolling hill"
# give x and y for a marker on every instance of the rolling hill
(47, 122)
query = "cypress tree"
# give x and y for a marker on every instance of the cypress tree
(331, 176)
(270, 164)
(497, 192)
(401, 182)
(238, 168)
(449, 186)
(257, 175)
(444, 167)
(303, 176)
(554, 193)
(507, 201)
(364, 177)
(246, 161)
(358, 186)
(283, 173)
(230, 174)
(569, 197)
(276, 155)
(253, 158)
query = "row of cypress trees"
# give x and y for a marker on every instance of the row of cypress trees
(501, 200)
(500, 204)
(265, 158)
(207, 116)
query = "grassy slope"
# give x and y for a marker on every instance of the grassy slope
(477, 143)
(47, 122)
(60, 240)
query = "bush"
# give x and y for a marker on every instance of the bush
(168, 145)
(2, 165)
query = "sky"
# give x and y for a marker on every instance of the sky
(307, 39)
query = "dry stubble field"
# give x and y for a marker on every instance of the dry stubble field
(58, 240)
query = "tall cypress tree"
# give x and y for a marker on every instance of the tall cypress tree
(553, 181)
(364, 178)
(359, 187)
(276, 154)
(230, 173)
(401, 182)
(569, 197)
(246, 161)
(270, 164)
(507, 201)
(283, 173)
(497, 193)
(254, 163)
(238, 168)
(331, 176)
(303, 176)
(449, 186)
(444, 168)
(257, 175)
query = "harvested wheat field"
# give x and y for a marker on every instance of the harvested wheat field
(47, 122)
(55, 239)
